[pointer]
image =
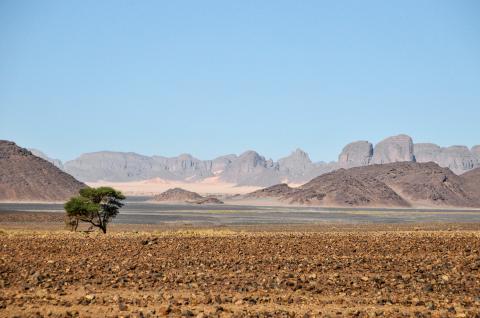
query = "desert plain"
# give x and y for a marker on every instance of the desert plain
(281, 270)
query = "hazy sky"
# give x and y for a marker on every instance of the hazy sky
(217, 77)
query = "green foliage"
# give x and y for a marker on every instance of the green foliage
(81, 207)
(97, 206)
(96, 195)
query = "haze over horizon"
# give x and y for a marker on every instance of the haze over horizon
(213, 78)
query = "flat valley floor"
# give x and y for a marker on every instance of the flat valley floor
(277, 270)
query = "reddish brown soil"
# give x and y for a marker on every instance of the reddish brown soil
(206, 273)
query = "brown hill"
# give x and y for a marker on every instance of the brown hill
(341, 188)
(177, 195)
(275, 191)
(422, 183)
(394, 184)
(472, 182)
(182, 195)
(208, 200)
(25, 177)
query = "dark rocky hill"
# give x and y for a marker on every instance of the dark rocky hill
(26, 177)
(275, 191)
(472, 182)
(342, 188)
(182, 195)
(422, 183)
(397, 184)
(177, 195)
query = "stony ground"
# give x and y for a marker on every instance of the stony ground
(223, 273)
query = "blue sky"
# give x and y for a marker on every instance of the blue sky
(217, 77)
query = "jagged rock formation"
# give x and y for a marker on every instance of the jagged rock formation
(395, 184)
(26, 177)
(252, 169)
(56, 162)
(118, 166)
(358, 153)
(393, 149)
(297, 167)
(184, 167)
(459, 159)
(110, 166)
(426, 152)
(296, 164)
(181, 195)
(221, 163)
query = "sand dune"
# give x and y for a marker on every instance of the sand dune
(157, 185)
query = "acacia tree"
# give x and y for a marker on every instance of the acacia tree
(97, 206)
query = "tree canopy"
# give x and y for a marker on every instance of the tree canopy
(97, 206)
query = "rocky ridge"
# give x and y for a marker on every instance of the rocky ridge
(26, 177)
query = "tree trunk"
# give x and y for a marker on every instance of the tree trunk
(102, 225)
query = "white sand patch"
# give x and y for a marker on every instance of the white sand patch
(154, 186)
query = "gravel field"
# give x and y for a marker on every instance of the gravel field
(364, 271)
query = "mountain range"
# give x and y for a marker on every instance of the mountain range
(374, 181)
(252, 169)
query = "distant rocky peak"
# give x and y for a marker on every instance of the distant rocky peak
(394, 149)
(249, 153)
(476, 151)
(299, 152)
(296, 156)
(301, 155)
(358, 153)
(185, 156)
(251, 157)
